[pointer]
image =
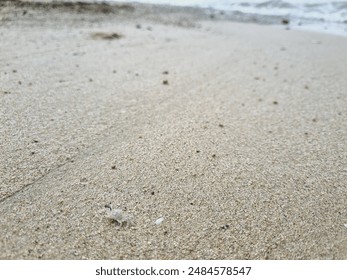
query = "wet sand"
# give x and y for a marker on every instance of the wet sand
(234, 133)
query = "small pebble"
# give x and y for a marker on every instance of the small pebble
(225, 227)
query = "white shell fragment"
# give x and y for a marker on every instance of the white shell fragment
(159, 221)
(345, 225)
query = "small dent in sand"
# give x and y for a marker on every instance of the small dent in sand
(106, 36)
(83, 180)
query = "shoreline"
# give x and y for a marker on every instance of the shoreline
(201, 13)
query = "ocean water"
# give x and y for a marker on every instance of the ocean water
(316, 15)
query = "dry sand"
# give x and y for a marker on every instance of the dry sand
(242, 151)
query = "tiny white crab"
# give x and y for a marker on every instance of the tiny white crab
(118, 216)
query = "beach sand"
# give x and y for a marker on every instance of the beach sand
(235, 134)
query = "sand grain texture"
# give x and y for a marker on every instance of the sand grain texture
(242, 150)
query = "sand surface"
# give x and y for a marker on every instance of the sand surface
(234, 133)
